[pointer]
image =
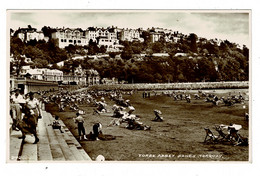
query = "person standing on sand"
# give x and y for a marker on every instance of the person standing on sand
(80, 121)
(97, 129)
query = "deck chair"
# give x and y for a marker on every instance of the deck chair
(211, 136)
(236, 138)
(221, 133)
(95, 111)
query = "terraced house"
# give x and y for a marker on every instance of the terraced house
(69, 36)
(130, 35)
(103, 37)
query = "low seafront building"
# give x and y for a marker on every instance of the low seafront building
(79, 77)
(44, 74)
(44, 79)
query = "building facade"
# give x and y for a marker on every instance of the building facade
(155, 36)
(43, 74)
(69, 36)
(28, 34)
(130, 35)
(92, 77)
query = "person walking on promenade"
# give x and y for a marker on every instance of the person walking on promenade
(80, 121)
(15, 107)
(33, 105)
(28, 123)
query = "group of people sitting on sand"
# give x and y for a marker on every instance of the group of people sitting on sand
(208, 97)
(122, 116)
(226, 134)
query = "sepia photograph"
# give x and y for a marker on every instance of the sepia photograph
(128, 85)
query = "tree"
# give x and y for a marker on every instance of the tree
(158, 77)
(32, 42)
(102, 49)
(212, 48)
(92, 47)
(11, 31)
(246, 52)
(223, 47)
(193, 42)
(18, 63)
(55, 66)
(205, 51)
(40, 63)
(146, 36)
(137, 47)
(33, 53)
(47, 31)
(112, 54)
(127, 51)
(70, 66)
(157, 47)
(71, 49)
(206, 70)
(16, 46)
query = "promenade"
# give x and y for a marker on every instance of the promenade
(174, 86)
(53, 145)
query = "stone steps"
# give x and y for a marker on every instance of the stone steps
(52, 146)
(15, 145)
(70, 140)
(44, 150)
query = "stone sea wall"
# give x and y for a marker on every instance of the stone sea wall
(174, 86)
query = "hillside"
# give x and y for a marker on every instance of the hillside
(189, 59)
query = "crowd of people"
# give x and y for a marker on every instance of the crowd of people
(25, 109)
(208, 97)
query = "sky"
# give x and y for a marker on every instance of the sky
(231, 25)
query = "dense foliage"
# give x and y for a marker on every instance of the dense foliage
(204, 60)
(168, 69)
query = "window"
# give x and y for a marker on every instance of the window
(70, 41)
(79, 41)
(65, 40)
(61, 40)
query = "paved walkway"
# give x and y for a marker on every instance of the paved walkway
(53, 145)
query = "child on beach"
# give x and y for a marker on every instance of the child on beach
(80, 121)
(56, 124)
(97, 129)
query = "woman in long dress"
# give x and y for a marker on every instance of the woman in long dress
(29, 122)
